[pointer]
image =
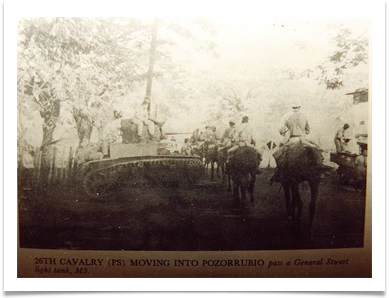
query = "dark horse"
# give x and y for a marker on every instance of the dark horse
(222, 164)
(210, 154)
(243, 166)
(299, 165)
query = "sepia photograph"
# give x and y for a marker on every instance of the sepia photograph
(194, 147)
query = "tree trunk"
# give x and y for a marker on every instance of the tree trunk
(46, 158)
(151, 61)
(50, 114)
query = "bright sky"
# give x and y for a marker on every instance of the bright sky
(280, 43)
(248, 46)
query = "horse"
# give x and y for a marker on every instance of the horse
(299, 166)
(243, 165)
(210, 154)
(222, 164)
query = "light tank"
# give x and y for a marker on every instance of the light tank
(138, 163)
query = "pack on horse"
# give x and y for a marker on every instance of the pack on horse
(297, 164)
(243, 164)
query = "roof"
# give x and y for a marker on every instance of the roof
(360, 90)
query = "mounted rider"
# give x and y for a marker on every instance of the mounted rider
(216, 136)
(208, 136)
(195, 142)
(244, 134)
(295, 128)
(228, 136)
(196, 136)
(243, 137)
(209, 139)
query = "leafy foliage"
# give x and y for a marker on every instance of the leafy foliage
(83, 61)
(349, 52)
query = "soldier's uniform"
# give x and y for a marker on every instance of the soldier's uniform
(296, 124)
(339, 140)
(228, 136)
(243, 136)
(141, 118)
(195, 136)
(216, 136)
(208, 135)
(295, 127)
(185, 149)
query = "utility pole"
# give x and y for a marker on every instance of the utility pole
(151, 62)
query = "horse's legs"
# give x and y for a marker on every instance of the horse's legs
(235, 194)
(217, 169)
(236, 185)
(212, 169)
(243, 192)
(228, 173)
(251, 188)
(314, 185)
(287, 201)
(296, 201)
(222, 167)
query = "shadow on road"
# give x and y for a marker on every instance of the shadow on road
(197, 219)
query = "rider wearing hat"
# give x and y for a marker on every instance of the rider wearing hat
(215, 135)
(242, 137)
(295, 128)
(294, 124)
(228, 135)
(243, 134)
(208, 135)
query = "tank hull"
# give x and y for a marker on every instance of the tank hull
(106, 177)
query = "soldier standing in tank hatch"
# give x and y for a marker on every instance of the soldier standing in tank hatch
(142, 119)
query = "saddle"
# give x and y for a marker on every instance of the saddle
(297, 158)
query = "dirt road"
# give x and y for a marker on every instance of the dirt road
(202, 218)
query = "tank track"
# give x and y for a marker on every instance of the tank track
(165, 172)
